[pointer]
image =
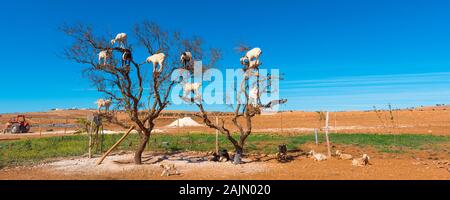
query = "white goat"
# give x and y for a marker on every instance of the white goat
(121, 39)
(104, 55)
(186, 58)
(103, 103)
(317, 156)
(157, 59)
(188, 88)
(251, 58)
(343, 156)
(359, 162)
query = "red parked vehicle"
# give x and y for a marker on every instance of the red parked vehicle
(17, 125)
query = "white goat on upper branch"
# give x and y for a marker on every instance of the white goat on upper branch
(121, 39)
(251, 58)
(157, 59)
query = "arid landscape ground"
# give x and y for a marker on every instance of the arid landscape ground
(194, 166)
(428, 162)
(422, 120)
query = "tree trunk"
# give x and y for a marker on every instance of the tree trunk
(138, 155)
(238, 156)
(240, 149)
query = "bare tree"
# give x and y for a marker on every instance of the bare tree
(142, 96)
(245, 108)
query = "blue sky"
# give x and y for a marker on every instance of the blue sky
(336, 55)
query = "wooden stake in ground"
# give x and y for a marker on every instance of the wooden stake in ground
(102, 137)
(115, 145)
(316, 133)
(90, 139)
(326, 133)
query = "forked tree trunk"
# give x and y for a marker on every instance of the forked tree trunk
(142, 145)
(240, 149)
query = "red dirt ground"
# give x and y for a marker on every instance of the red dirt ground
(119, 167)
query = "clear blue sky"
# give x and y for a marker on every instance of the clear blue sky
(337, 55)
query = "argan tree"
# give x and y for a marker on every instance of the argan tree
(134, 87)
(245, 107)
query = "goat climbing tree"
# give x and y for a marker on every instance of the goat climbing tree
(133, 87)
(247, 106)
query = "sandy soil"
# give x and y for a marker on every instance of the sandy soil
(194, 166)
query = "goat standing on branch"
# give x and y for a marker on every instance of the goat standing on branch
(186, 59)
(104, 55)
(189, 88)
(101, 103)
(157, 60)
(121, 39)
(127, 57)
(251, 58)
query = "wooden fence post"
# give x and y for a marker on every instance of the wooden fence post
(316, 133)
